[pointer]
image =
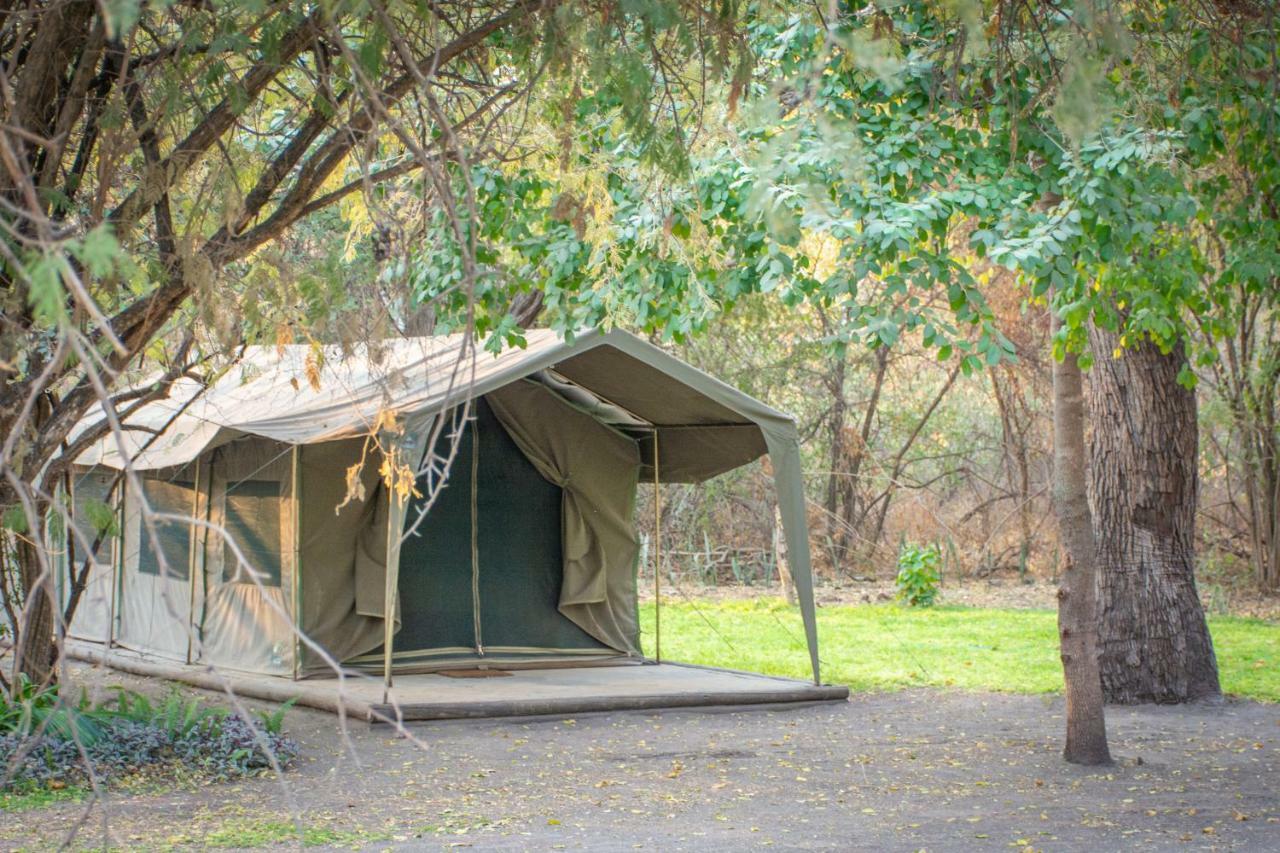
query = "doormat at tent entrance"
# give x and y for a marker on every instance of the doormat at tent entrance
(475, 673)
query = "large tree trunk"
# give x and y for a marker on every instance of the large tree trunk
(36, 652)
(1154, 642)
(1077, 594)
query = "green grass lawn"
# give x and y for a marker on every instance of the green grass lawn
(887, 647)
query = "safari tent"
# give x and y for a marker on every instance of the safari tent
(517, 547)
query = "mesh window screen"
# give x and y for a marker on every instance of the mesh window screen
(92, 515)
(253, 521)
(173, 539)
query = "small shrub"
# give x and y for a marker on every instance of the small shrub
(918, 575)
(28, 710)
(176, 714)
(273, 723)
(129, 735)
(232, 747)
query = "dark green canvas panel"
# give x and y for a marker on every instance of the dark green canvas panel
(521, 561)
(174, 497)
(435, 563)
(519, 548)
(253, 523)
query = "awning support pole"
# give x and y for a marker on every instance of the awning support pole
(474, 426)
(395, 528)
(389, 595)
(117, 560)
(657, 554)
(192, 563)
(295, 487)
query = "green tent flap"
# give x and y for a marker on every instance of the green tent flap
(597, 468)
(482, 572)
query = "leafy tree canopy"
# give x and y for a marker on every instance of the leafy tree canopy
(891, 160)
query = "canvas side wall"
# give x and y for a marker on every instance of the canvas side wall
(156, 598)
(246, 622)
(339, 545)
(93, 501)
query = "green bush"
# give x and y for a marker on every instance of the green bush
(918, 575)
(46, 740)
(29, 710)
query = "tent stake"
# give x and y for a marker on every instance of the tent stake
(657, 555)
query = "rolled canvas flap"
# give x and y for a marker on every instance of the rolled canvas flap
(342, 545)
(598, 468)
(582, 550)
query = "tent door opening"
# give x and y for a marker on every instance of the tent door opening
(481, 575)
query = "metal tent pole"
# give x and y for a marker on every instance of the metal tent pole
(295, 487)
(192, 628)
(117, 558)
(393, 537)
(395, 527)
(478, 635)
(657, 555)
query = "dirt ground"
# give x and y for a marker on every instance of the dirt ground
(904, 771)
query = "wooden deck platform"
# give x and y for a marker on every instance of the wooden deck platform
(524, 692)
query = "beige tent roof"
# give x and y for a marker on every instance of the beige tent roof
(303, 395)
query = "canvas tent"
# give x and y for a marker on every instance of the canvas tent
(530, 460)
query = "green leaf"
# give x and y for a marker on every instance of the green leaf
(15, 519)
(45, 294)
(100, 516)
(99, 251)
(371, 51)
(120, 17)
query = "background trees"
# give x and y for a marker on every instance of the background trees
(892, 175)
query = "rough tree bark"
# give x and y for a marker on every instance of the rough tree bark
(1152, 635)
(1077, 593)
(37, 653)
